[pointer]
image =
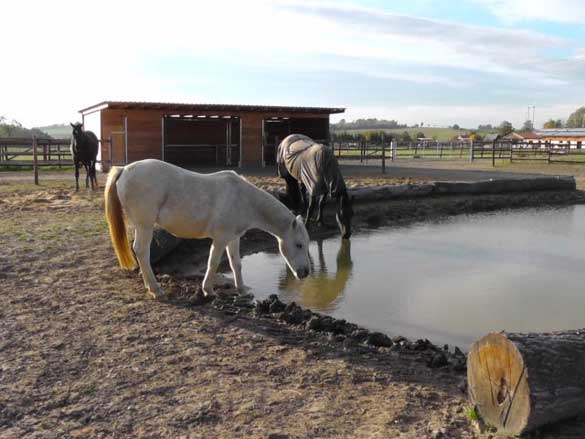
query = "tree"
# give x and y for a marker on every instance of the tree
(405, 137)
(576, 119)
(528, 126)
(456, 127)
(420, 135)
(485, 127)
(551, 123)
(505, 128)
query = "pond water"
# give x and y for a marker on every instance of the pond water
(450, 281)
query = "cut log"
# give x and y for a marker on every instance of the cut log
(519, 382)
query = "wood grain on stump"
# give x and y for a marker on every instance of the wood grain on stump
(519, 382)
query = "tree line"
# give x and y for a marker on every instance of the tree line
(14, 128)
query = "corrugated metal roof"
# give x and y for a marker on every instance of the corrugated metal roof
(523, 135)
(561, 132)
(167, 106)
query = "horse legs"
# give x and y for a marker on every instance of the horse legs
(142, 240)
(215, 254)
(233, 252)
(87, 172)
(303, 192)
(95, 176)
(320, 217)
(92, 176)
(76, 176)
(292, 190)
(310, 209)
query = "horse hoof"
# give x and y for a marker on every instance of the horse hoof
(201, 298)
(158, 295)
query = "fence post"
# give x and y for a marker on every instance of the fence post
(472, 152)
(393, 149)
(549, 151)
(494, 154)
(35, 162)
(383, 156)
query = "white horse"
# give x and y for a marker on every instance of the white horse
(220, 206)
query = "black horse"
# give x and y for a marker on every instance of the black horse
(84, 150)
(311, 167)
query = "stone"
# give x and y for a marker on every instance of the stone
(379, 339)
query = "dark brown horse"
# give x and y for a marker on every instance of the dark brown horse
(84, 150)
(311, 173)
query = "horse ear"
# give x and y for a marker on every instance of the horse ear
(294, 224)
(72, 126)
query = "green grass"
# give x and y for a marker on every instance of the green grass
(471, 414)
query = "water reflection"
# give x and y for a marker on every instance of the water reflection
(322, 290)
(450, 281)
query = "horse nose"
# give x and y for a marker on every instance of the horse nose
(303, 272)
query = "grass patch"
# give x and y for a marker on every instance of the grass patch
(471, 414)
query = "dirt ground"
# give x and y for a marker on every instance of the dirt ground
(84, 353)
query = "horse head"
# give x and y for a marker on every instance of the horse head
(294, 248)
(77, 130)
(344, 215)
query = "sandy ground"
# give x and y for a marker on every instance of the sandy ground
(84, 353)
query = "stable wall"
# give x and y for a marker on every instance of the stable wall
(137, 134)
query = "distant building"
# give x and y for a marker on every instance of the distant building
(527, 136)
(572, 137)
(492, 137)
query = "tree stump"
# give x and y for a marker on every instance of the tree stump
(519, 382)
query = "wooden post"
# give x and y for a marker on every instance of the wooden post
(494, 154)
(110, 147)
(383, 156)
(393, 149)
(440, 151)
(35, 162)
(472, 152)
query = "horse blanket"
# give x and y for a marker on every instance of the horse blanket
(310, 163)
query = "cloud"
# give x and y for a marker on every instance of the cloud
(442, 43)
(514, 11)
(169, 52)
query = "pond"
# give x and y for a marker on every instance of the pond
(450, 281)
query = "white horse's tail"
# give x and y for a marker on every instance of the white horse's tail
(116, 223)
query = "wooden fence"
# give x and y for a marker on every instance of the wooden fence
(21, 153)
(24, 152)
(470, 151)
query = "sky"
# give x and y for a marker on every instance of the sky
(439, 62)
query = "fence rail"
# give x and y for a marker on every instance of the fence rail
(470, 151)
(30, 152)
